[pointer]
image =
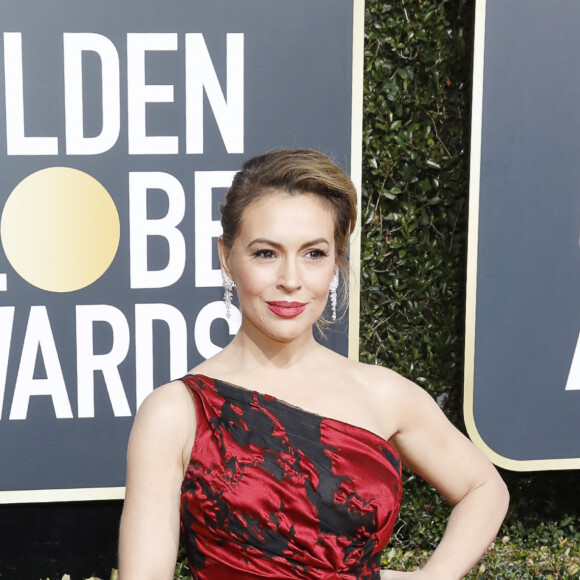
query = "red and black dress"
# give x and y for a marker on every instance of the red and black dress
(273, 491)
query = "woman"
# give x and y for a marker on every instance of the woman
(279, 458)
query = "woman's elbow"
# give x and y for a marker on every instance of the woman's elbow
(501, 495)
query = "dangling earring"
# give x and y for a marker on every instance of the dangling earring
(229, 285)
(333, 288)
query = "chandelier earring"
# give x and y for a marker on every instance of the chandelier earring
(332, 291)
(229, 285)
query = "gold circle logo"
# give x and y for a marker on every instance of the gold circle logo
(60, 229)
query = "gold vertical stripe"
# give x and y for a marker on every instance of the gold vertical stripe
(356, 174)
(473, 221)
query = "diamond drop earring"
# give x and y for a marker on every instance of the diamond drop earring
(229, 285)
(332, 290)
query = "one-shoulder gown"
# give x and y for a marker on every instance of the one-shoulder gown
(274, 491)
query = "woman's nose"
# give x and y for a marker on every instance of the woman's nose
(289, 276)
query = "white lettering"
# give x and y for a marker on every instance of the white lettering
(573, 382)
(16, 141)
(145, 314)
(74, 46)
(205, 318)
(141, 228)
(207, 228)
(39, 338)
(199, 75)
(6, 324)
(88, 362)
(139, 93)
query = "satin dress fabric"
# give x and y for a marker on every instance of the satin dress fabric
(274, 491)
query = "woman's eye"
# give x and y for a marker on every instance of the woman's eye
(316, 253)
(264, 254)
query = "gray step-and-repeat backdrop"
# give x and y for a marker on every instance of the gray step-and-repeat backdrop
(121, 127)
(522, 387)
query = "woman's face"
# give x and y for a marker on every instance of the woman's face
(282, 262)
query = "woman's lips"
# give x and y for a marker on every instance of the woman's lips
(286, 309)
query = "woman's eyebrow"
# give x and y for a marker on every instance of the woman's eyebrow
(264, 241)
(278, 245)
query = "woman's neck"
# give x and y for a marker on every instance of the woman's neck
(251, 349)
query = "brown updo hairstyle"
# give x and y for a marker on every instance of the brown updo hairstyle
(293, 172)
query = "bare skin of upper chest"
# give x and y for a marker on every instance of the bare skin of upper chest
(339, 393)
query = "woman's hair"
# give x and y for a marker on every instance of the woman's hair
(293, 172)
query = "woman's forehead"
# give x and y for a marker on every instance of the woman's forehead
(281, 213)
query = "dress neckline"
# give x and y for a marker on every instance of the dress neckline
(297, 407)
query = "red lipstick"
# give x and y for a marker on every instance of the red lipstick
(286, 309)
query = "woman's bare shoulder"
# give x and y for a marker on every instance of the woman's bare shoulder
(377, 378)
(384, 388)
(169, 397)
(169, 409)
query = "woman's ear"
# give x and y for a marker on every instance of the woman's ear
(224, 255)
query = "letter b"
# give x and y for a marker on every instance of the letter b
(141, 228)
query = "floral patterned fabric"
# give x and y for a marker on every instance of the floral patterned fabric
(274, 491)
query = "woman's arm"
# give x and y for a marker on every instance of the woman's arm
(149, 534)
(431, 447)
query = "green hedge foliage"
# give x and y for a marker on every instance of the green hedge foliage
(414, 191)
(415, 179)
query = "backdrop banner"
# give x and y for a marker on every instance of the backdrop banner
(123, 124)
(522, 380)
